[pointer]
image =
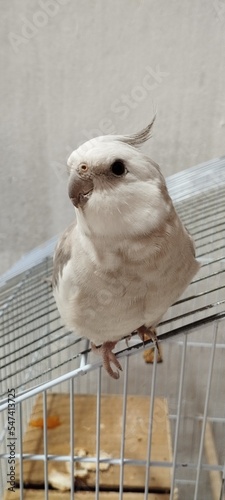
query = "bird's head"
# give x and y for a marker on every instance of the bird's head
(115, 188)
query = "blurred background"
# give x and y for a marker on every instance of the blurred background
(73, 70)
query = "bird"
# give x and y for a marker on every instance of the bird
(127, 257)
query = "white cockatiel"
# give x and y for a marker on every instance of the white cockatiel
(128, 256)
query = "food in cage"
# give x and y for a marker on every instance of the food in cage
(129, 257)
(61, 479)
(52, 422)
(149, 354)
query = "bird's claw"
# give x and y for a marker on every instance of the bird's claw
(105, 350)
(148, 333)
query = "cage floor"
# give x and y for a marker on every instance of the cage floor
(136, 436)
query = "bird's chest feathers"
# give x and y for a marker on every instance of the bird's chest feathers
(127, 268)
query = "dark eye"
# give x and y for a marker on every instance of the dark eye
(118, 168)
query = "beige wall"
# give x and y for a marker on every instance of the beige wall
(73, 69)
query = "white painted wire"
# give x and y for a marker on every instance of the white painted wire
(178, 418)
(45, 442)
(98, 430)
(150, 428)
(71, 392)
(123, 430)
(215, 327)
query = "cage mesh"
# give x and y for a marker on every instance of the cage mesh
(36, 348)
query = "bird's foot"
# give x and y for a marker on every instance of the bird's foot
(105, 350)
(148, 333)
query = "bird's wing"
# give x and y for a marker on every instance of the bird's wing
(192, 242)
(62, 253)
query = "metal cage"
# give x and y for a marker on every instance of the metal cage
(156, 433)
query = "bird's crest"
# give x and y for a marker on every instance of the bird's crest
(139, 138)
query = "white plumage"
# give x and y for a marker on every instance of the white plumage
(127, 257)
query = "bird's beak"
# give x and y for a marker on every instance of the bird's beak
(79, 189)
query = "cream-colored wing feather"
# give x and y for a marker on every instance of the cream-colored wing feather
(62, 254)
